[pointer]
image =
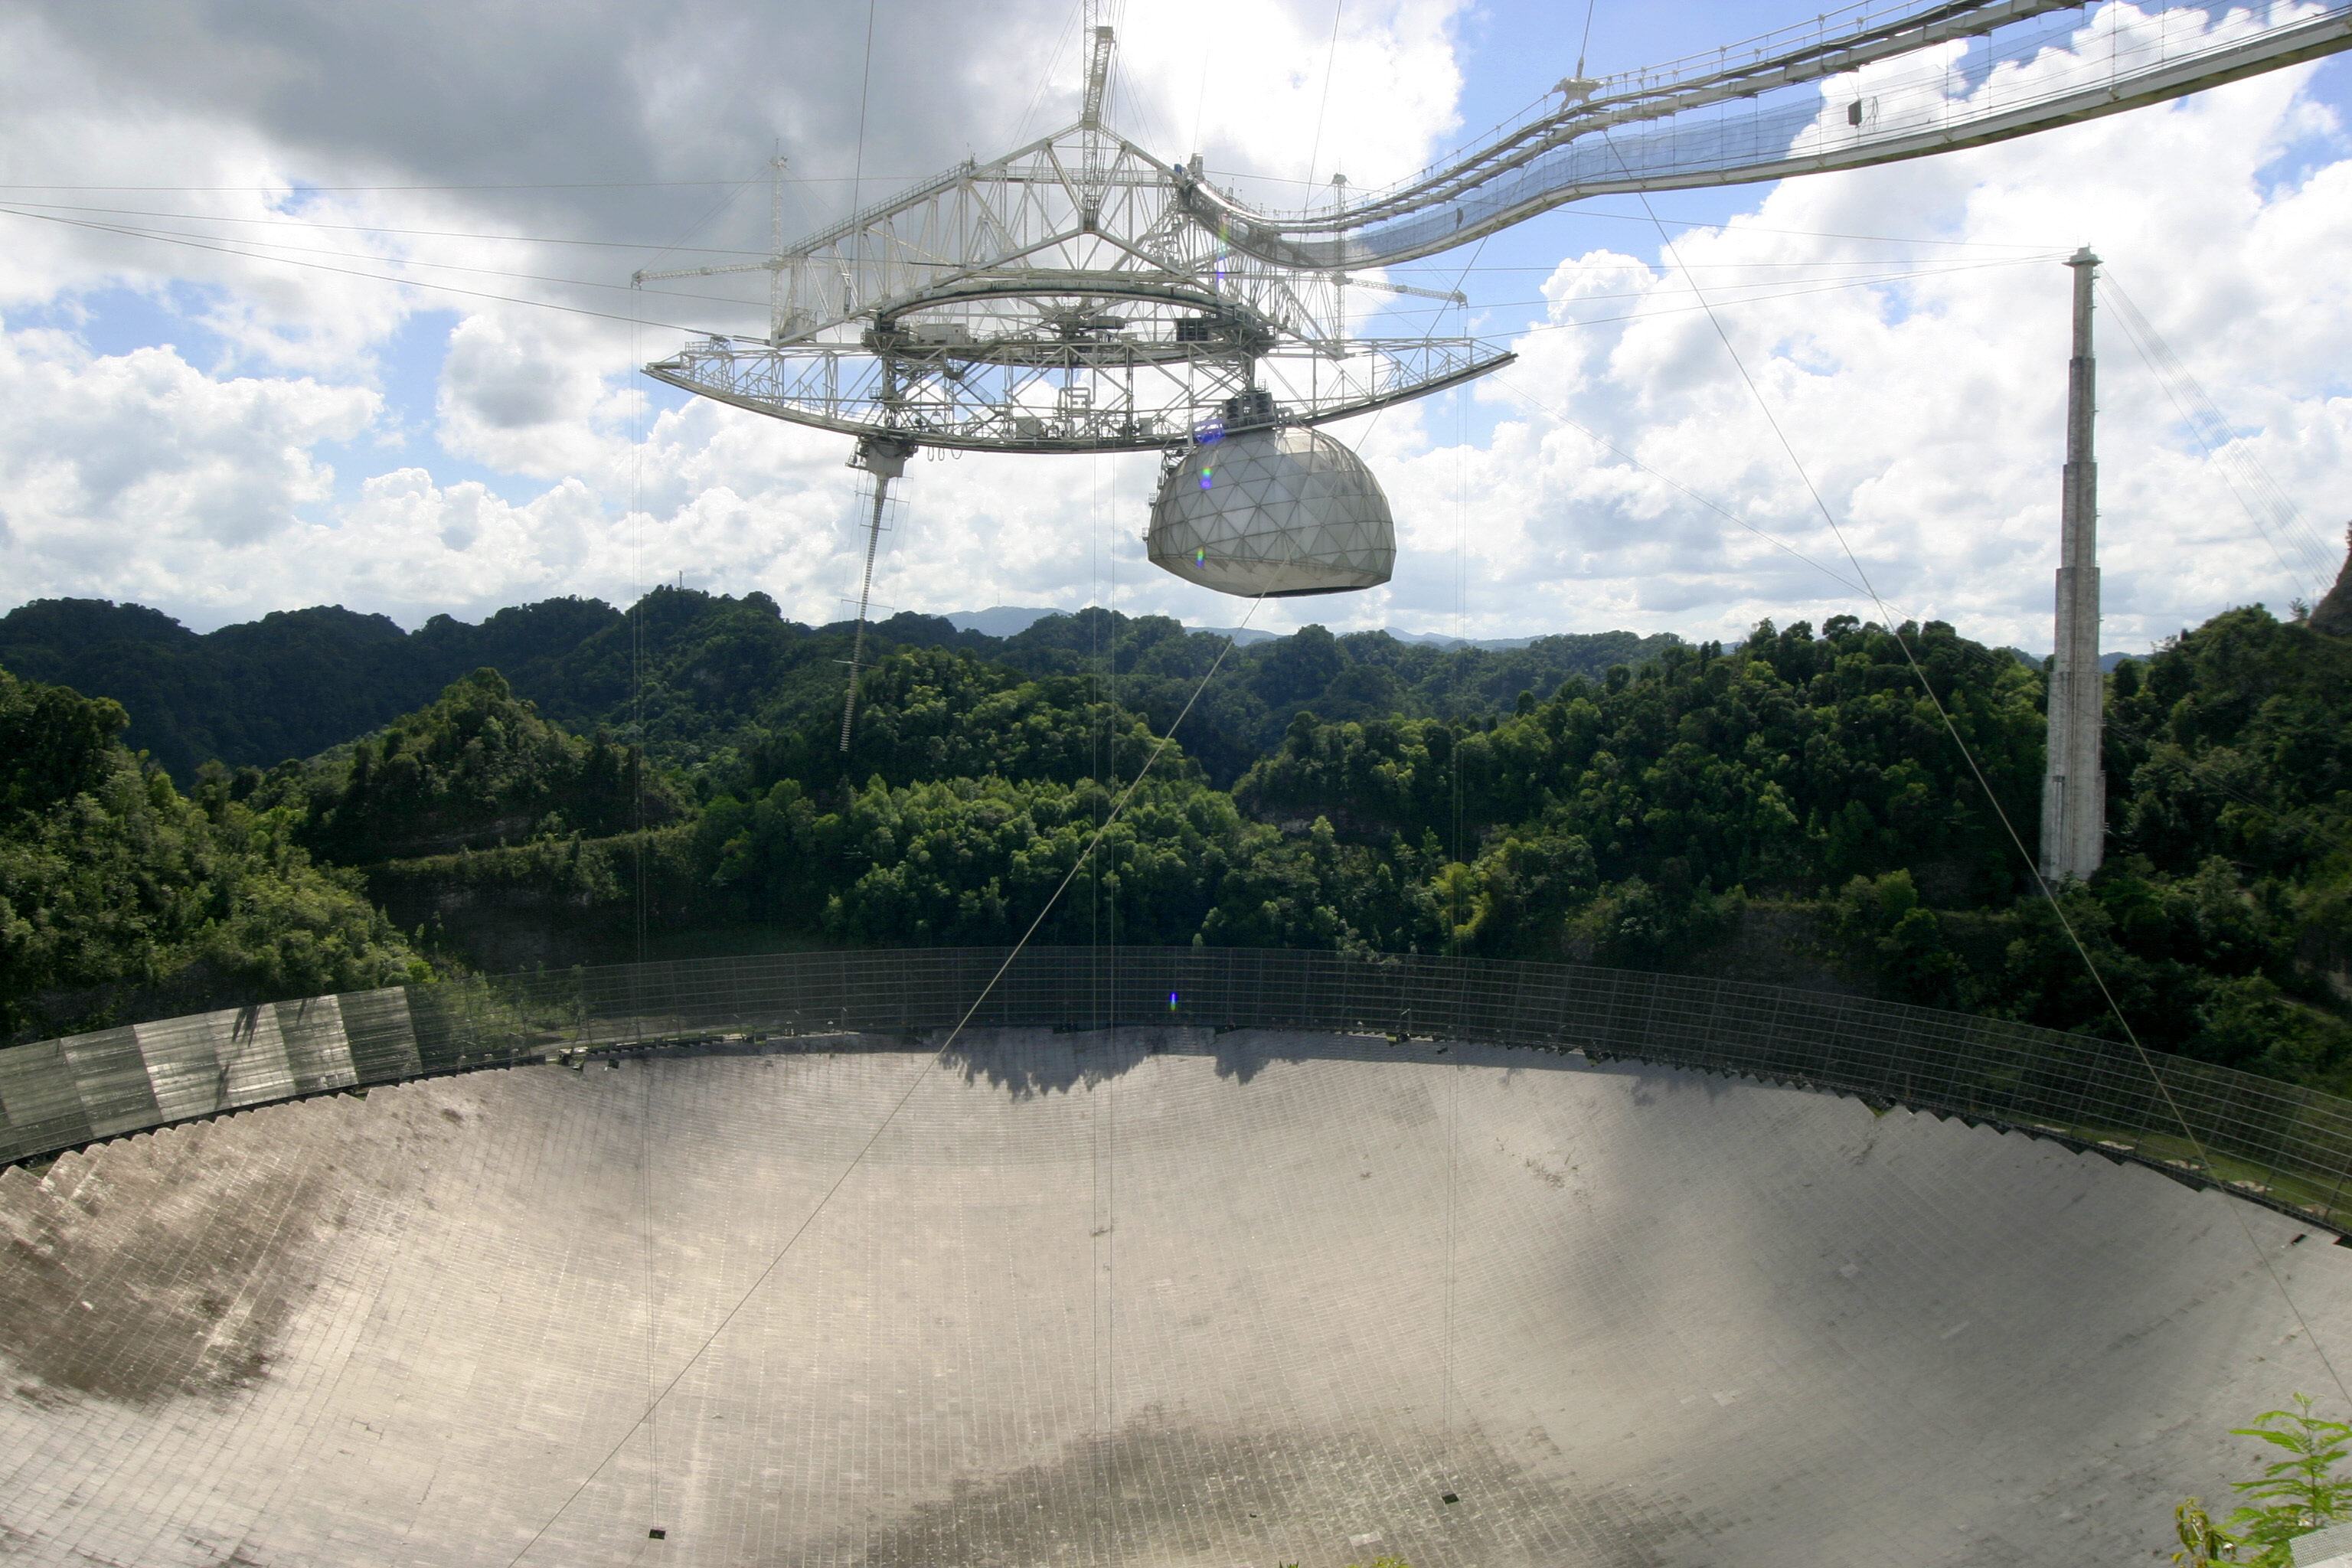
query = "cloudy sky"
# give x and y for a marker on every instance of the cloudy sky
(279, 321)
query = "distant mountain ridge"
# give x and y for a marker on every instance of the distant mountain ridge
(1006, 620)
(700, 677)
(998, 620)
(290, 684)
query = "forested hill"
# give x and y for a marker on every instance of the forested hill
(122, 899)
(1792, 809)
(293, 683)
(702, 678)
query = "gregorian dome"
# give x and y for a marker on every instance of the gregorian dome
(1274, 511)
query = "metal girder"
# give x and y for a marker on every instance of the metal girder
(1060, 299)
(1079, 294)
(1083, 210)
(1736, 116)
(1088, 404)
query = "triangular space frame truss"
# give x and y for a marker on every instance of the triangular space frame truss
(1062, 297)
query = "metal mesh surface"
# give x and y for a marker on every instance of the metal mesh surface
(2287, 1147)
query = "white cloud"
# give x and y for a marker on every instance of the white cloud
(310, 142)
(118, 473)
(531, 395)
(1244, 84)
(1927, 414)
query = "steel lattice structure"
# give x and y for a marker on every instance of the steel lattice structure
(1081, 295)
(1864, 84)
(1060, 299)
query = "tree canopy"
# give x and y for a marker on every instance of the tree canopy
(1856, 806)
(479, 767)
(119, 897)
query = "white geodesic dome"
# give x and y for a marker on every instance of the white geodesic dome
(1274, 512)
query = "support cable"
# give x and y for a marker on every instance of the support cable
(1074, 27)
(2146, 1060)
(865, 600)
(356, 272)
(653, 1285)
(1455, 877)
(1781, 288)
(865, 86)
(1830, 286)
(278, 255)
(891, 1116)
(1711, 504)
(637, 805)
(2248, 480)
(1323, 106)
(1984, 657)
(1453, 1150)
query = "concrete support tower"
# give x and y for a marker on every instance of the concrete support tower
(2075, 786)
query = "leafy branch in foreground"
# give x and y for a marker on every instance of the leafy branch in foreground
(2292, 1496)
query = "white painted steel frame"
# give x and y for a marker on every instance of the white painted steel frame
(1058, 299)
(1788, 113)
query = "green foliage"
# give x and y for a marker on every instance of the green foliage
(2293, 1496)
(553, 900)
(291, 684)
(2228, 901)
(479, 767)
(1154, 664)
(1518, 890)
(701, 680)
(1635, 924)
(120, 896)
(1881, 921)
(1628, 820)
(973, 861)
(2203, 1542)
(931, 714)
(1777, 765)
(1627, 801)
(53, 743)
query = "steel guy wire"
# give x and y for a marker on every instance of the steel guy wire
(915, 1082)
(2057, 906)
(2248, 480)
(1323, 105)
(276, 250)
(356, 272)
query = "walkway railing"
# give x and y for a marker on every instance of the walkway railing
(2289, 1149)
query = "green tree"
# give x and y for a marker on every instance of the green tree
(119, 897)
(2293, 1496)
(931, 714)
(476, 768)
(1880, 922)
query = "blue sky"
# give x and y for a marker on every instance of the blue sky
(245, 416)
